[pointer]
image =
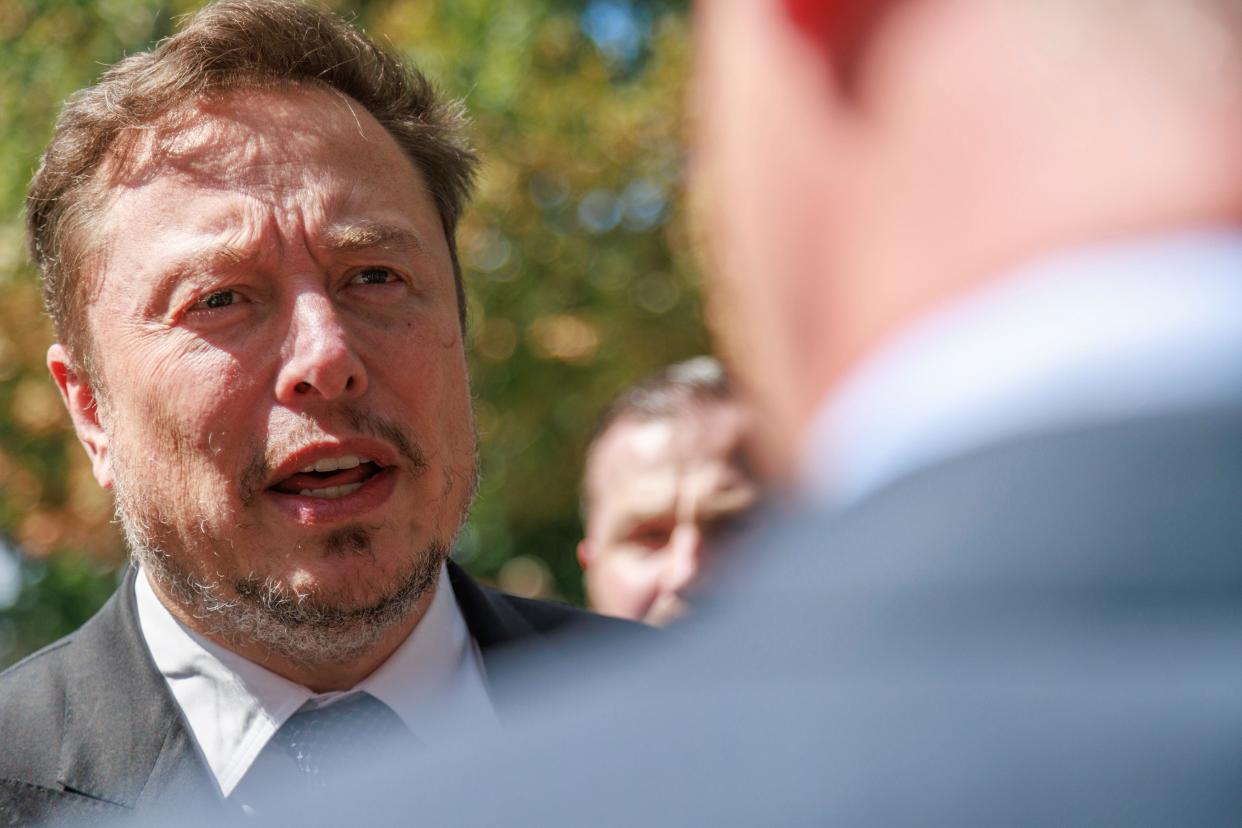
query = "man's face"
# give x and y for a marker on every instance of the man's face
(283, 385)
(659, 492)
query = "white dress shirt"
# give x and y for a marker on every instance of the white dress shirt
(434, 682)
(1122, 331)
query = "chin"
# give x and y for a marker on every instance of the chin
(354, 569)
(315, 616)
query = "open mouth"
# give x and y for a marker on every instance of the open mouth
(330, 478)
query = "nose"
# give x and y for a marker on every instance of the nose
(685, 558)
(319, 361)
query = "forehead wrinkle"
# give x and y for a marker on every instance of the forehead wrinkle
(208, 150)
(222, 141)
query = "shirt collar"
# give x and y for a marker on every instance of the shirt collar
(233, 707)
(1091, 336)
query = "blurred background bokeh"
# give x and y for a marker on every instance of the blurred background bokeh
(577, 255)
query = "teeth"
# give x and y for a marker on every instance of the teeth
(331, 492)
(329, 464)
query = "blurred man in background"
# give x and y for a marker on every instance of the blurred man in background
(665, 481)
(979, 264)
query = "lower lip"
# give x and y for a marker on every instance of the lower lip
(314, 511)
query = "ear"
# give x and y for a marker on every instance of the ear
(818, 18)
(840, 29)
(586, 554)
(79, 398)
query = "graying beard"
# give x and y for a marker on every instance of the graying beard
(294, 625)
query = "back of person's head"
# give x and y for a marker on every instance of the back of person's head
(665, 477)
(864, 162)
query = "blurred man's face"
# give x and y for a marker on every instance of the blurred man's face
(660, 493)
(284, 388)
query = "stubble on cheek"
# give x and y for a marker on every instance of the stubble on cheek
(253, 476)
(172, 471)
(459, 486)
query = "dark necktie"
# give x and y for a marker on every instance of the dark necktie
(331, 743)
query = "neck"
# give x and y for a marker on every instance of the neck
(1103, 333)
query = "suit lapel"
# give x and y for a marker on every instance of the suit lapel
(492, 622)
(495, 625)
(125, 741)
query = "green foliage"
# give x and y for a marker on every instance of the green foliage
(576, 253)
(56, 596)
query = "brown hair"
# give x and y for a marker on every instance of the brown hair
(230, 45)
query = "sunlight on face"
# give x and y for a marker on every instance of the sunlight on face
(663, 492)
(284, 384)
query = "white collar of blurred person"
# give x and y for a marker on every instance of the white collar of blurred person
(435, 682)
(1125, 330)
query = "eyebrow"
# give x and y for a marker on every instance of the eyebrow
(203, 261)
(734, 501)
(188, 268)
(371, 235)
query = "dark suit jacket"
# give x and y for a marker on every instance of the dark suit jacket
(89, 730)
(1044, 632)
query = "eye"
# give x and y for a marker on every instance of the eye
(373, 276)
(651, 537)
(217, 299)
